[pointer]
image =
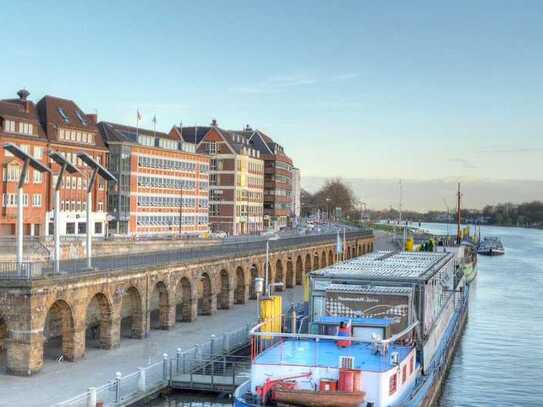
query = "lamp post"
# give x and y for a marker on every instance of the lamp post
(267, 267)
(97, 169)
(28, 161)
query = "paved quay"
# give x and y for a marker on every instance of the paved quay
(60, 381)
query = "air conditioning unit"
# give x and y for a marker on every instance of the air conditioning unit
(346, 362)
(395, 358)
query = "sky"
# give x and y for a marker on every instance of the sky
(379, 90)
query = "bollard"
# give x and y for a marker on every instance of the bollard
(91, 401)
(212, 345)
(118, 376)
(141, 380)
(165, 366)
(178, 360)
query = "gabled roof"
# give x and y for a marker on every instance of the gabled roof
(56, 112)
(25, 110)
(258, 140)
(193, 134)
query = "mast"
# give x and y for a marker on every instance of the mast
(458, 220)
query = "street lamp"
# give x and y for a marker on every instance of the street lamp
(105, 174)
(267, 268)
(28, 161)
(65, 166)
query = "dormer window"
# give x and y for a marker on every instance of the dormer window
(9, 126)
(81, 118)
(63, 115)
(26, 128)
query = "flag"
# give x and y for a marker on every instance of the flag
(154, 119)
(138, 114)
(339, 246)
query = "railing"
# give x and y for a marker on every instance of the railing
(36, 270)
(136, 385)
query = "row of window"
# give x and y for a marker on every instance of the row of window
(171, 220)
(245, 195)
(73, 159)
(75, 182)
(170, 202)
(36, 152)
(81, 228)
(78, 206)
(277, 177)
(13, 172)
(24, 128)
(75, 136)
(165, 143)
(171, 183)
(169, 164)
(10, 200)
(393, 380)
(245, 210)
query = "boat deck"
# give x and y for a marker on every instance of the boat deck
(326, 353)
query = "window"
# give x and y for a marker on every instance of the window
(82, 228)
(36, 200)
(70, 228)
(404, 374)
(98, 228)
(81, 117)
(9, 126)
(74, 182)
(393, 384)
(411, 365)
(212, 147)
(37, 177)
(38, 152)
(63, 115)
(26, 128)
(100, 206)
(78, 182)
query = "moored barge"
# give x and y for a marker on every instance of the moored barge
(381, 332)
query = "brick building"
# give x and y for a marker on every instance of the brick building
(236, 178)
(163, 183)
(277, 179)
(20, 124)
(70, 131)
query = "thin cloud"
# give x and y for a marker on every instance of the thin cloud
(276, 84)
(463, 162)
(509, 150)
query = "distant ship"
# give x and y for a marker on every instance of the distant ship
(491, 246)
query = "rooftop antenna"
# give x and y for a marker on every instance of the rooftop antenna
(458, 219)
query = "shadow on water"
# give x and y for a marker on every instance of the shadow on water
(190, 400)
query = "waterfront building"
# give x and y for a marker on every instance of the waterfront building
(70, 131)
(236, 178)
(20, 124)
(277, 179)
(296, 194)
(163, 184)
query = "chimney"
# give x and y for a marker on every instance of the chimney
(93, 118)
(23, 95)
(214, 122)
(248, 128)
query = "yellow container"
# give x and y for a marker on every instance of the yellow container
(409, 244)
(307, 282)
(270, 313)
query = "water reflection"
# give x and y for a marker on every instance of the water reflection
(191, 400)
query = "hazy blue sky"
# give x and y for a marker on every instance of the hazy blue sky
(351, 88)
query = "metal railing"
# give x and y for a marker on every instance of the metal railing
(122, 390)
(36, 270)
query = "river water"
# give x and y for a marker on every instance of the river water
(499, 361)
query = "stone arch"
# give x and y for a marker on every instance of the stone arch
(241, 287)
(330, 257)
(205, 294)
(371, 247)
(323, 259)
(348, 252)
(316, 264)
(290, 274)
(278, 278)
(224, 293)
(254, 275)
(359, 251)
(160, 307)
(183, 300)
(98, 322)
(299, 270)
(58, 331)
(308, 263)
(132, 314)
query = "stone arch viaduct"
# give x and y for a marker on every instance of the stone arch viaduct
(62, 316)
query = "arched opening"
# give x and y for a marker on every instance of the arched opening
(359, 251)
(131, 314)
(371, 247)
(348, 252)
(278, 275)
(98, 323)
(316, 265)
(159, 306)
(204, 295)
(224, 294)
(299, 270)
(3, 343)
(307, 263)
(58, 332)
(330, 258)
(254, 275)
(290, 274)
(323, 259)
(239, 293)
(183, 301)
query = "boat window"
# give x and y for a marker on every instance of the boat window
(404, 373)
(393, 384)
(411, 365)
